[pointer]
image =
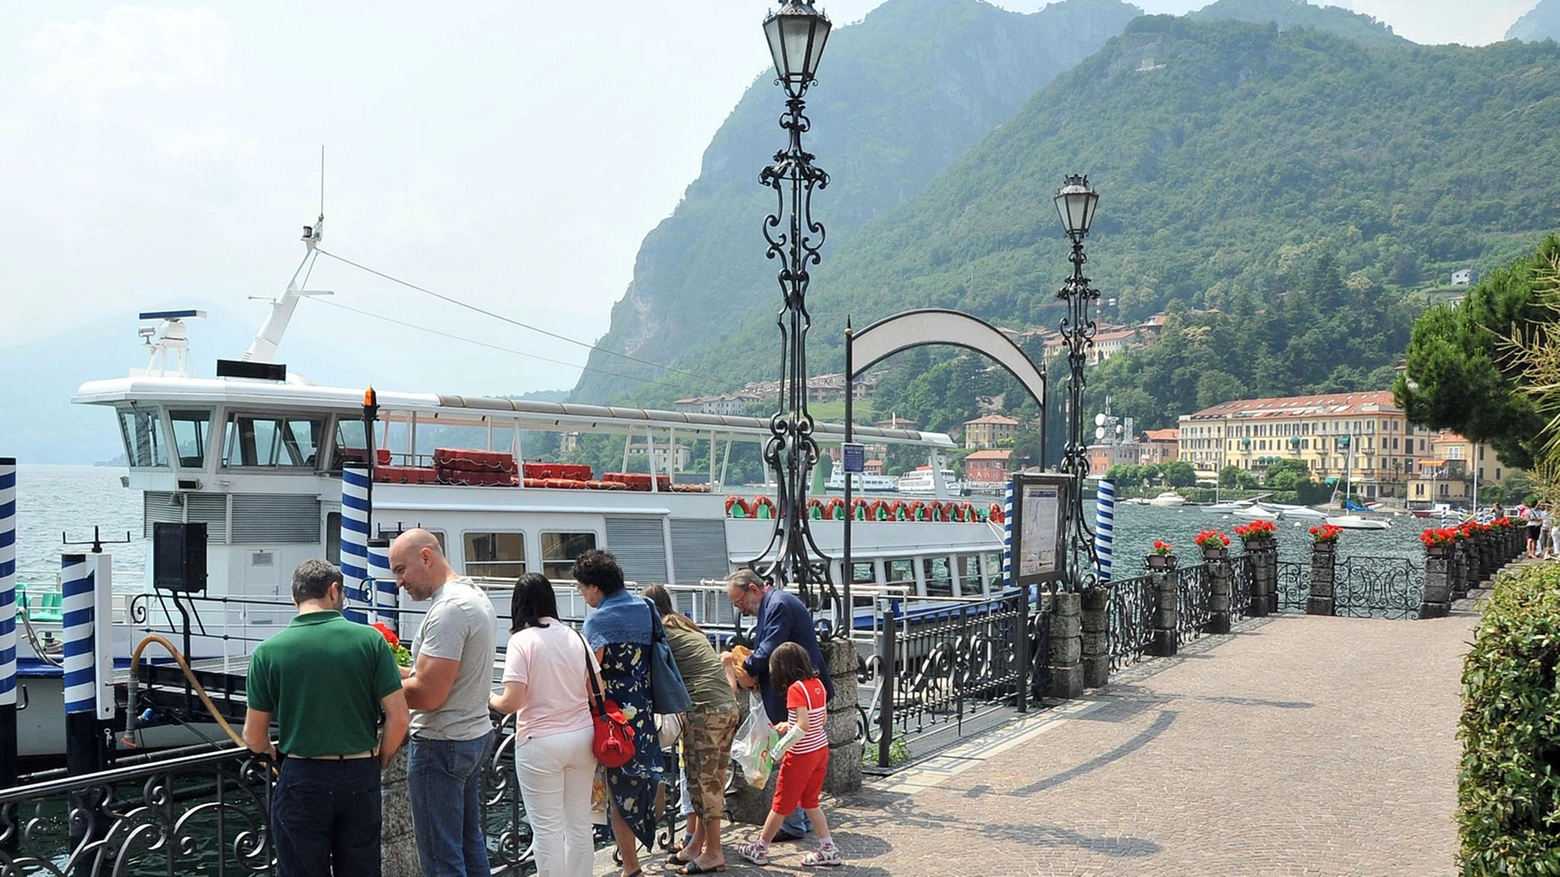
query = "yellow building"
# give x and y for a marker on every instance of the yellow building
(1447, 474)
(986, 432)
(1362, 438)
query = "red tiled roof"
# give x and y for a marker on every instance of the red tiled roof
(993, 418)
(1326, 405)
(1163, 435)
(990, 455)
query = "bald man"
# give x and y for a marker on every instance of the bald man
(447, 690)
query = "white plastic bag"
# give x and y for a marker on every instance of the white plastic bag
(753, 747)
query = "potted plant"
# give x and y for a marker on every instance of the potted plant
(1161, 556)
(1438, 541)
(1214, 545)
(1324, 537)
(1257, 534)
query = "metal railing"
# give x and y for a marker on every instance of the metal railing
(1192, 591)
(1130, 620)
(1244, 573)
(1378, 587)
(1294, 585)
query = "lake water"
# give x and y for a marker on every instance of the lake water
(71, 500)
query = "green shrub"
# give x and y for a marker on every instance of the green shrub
(1509, 782)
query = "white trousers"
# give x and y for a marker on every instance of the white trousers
(555, 774)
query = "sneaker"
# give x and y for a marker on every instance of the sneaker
(756, 852)
(826, 857)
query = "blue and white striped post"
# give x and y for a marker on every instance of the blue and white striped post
(1007, 537)
(354, 537)
(86, 583)
(1104, 527)
(8, 740)
(383, 583)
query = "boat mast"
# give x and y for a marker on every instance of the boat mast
(269, 338)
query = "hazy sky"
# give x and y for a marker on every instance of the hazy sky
(509, 154)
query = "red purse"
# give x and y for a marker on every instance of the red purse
(614, 743)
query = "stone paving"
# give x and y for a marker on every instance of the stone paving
(1295, 746)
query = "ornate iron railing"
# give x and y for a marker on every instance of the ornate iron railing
(1130, 620)
(1377, 587)
(1244, 573)
(1294, 585)
(1192, 587)
(207, 813)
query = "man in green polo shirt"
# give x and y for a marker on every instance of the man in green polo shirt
(325, 680)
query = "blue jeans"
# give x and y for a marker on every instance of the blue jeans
(324, 812)
(797, 823)
(444, 783)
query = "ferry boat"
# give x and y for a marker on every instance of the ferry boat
(257, 456)
(923, 481)
(863, 482)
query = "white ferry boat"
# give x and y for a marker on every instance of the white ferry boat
(863, 482)
(258, 460)
(924, 481)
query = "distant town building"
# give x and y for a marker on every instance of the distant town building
(988, 431)
(1359, 437)
(1447, 476)
(1103, 456)
(988, 469)
(723, 403)
(1465, 276)
(1109, 338)
(1157, 446)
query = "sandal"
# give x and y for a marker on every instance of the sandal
(696, 868)
(677, 861)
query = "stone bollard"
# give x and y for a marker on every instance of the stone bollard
(1167, 613)
(845, 748)
(1221, 589)
(1258, 605)
(1066, 658)
(1094, 621)
(1456, 572)
(1324, 558)
(1437, 598)
(1472, 575)
(397, 846)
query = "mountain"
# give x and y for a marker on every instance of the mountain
(1298, 13)
(1542, 22)
(899, 97)
(1232, 158)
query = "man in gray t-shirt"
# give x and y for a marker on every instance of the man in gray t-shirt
(447, 689)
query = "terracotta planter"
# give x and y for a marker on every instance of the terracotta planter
(1438, 550)
(1216, 553)
(1161, 561)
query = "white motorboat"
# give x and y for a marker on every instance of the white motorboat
(1168, 499)
(1257, 512)
(1297, 511)
(862, 482)
(1356, 522)
(1226, 508)
(922, 481)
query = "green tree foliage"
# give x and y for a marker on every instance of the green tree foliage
(1298, 13)
(1457, 354)
(1294, 476)
(1236, 477)
(1178, 473)
(1508, 787)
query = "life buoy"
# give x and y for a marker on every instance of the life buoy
(834, 509)
(948, 509)
(995, 514)
(763, 507)
(858, 509)
(915, 510)
(966, 513)
(815, 508)
(743, 510)
(877, 510)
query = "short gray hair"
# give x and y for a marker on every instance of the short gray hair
(744, 578)
(313, 578)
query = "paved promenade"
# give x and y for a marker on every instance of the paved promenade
(1295, 746)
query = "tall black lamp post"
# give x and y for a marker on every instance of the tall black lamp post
(1076, 202)
(797, 34)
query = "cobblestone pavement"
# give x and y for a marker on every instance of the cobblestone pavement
(1295, 746)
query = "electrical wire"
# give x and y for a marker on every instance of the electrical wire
(514, 322)
(464, 340)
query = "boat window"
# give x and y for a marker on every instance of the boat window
(559, 551)
(190, 429)
(993, 564)
(144, 443)
(333, 537)
(268, 440)
(969, 574)
(939, 580)
(495, 555)
(863, 572)
(350, 442)
(901, 571)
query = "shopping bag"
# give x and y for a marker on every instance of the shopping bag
(753, 747)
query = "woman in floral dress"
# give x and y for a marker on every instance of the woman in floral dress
(619, 630)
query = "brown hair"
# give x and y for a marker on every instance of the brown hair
(789, 664)
(662, 600)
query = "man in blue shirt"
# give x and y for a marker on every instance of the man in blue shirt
(781, 619)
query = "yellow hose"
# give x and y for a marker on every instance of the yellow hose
(135, 663)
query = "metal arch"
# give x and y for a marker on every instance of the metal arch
(924, 326)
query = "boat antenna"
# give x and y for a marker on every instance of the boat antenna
(266, 342)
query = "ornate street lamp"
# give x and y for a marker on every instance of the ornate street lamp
(1075, 204)
(797, 34)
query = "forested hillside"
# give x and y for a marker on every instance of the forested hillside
(1298, 13)
(1297, 182)
(1542, 22)
(899, 97)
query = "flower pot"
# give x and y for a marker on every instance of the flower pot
(1161, 561)
(1438, 550)
(1216, 553)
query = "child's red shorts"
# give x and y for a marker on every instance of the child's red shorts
(801, 780)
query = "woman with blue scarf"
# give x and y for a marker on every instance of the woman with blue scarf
(619, 629)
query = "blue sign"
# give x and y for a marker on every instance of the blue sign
(855, 458)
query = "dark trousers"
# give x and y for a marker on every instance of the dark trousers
(325, 818)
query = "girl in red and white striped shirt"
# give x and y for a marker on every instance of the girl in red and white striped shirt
(806, 762)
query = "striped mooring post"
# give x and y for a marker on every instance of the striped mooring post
(1104, 527)
(354, 538)
(86, 583)
(1007, 537)
(8, 741)
(383, 583)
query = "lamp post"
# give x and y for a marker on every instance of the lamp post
(1075, 203)
(796, 33)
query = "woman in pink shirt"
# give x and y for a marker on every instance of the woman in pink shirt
(545, 684)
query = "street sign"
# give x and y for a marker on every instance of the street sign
(855, 458)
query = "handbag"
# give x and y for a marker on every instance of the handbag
(668, 692)
(613, 745)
